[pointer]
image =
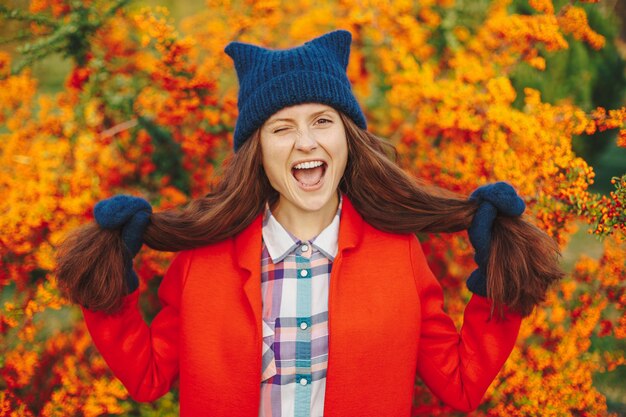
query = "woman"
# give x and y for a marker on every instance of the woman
(300, 288)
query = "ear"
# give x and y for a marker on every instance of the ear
(338, 43)
(243, 55)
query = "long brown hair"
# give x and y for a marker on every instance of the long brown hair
(523, 260)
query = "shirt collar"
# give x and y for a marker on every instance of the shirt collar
(280, 243)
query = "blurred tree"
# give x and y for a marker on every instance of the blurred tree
(586, 76)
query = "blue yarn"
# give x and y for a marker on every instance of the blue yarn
(132, 216)
(132, 231)
(495, 199)
(270, 80)
(114, 212)
(502, 196)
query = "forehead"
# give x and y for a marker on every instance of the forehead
(300, 110)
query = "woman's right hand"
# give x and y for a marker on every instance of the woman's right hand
(131, 216)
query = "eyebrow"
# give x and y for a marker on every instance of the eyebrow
(314, 115)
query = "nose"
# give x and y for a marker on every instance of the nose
(306, 141)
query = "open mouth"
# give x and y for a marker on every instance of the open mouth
(309, 173)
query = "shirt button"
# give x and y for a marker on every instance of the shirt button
(304, 273)
(303, 381)
(303, 325)
(304, 248)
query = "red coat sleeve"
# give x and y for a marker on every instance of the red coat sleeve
(458, 368)
(144, 358)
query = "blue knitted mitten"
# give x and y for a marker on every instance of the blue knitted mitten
(495, 199)
(132, 215)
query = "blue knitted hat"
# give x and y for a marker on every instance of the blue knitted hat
(270, 80)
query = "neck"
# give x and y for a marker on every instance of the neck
(304, 224)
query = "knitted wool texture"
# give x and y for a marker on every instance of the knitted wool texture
(270, 80)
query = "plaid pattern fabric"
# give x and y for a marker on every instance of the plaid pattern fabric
(294, 283)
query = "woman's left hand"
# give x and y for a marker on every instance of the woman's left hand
(495, 199)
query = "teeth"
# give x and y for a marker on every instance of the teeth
(309, 165)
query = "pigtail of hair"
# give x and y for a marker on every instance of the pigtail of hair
(90, 261)
(523, 260)
(523, 263)
(90, 267)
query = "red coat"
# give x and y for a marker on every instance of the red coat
(385, 324)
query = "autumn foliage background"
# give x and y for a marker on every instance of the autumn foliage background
(149, 110)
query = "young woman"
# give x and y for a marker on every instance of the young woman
(300, 288)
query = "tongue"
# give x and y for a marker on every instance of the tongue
(309, 176)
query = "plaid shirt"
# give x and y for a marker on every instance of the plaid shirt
(294, 283)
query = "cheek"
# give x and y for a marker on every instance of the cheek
(270, 171)
(273, 165)
(344, 152)
(342, 166)
(340, 152)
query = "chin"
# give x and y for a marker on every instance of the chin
(315, 201)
